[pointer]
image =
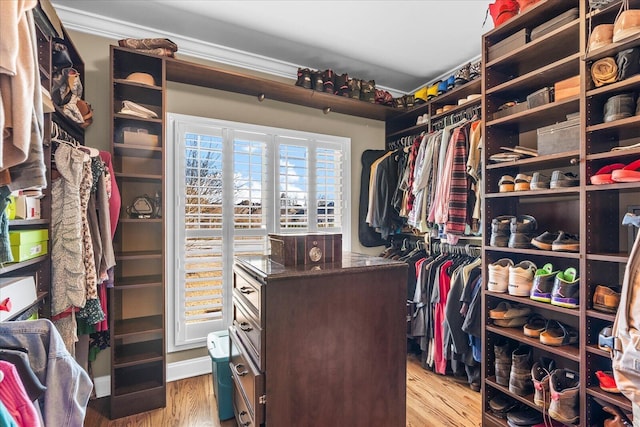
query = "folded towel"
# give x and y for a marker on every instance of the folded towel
(133, 109)
(604, 71)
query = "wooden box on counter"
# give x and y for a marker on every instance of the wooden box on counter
(309, 248)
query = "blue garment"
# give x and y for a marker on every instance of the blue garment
(6, 420)
(475, 341)
(5, 245)
(69, 387)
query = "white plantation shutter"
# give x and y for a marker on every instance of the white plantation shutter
(233, 184)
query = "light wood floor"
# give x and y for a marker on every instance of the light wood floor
(432, 401)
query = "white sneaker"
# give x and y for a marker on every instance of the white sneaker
(521, 278)
(499, 275)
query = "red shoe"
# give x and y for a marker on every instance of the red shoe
(603, 176)
(607, 382)
(502, 10)
(629, 173)
(526, 4)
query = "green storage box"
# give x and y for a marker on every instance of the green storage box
(28, 244)
(218, 345)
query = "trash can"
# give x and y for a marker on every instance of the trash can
(218, 345)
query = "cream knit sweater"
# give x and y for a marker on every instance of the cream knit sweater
(17, 83)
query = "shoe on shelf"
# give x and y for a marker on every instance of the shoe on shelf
(304, 78)
(520, 381)
(566, 289)
(534, 326)
(523, 182)
(521, 278)
(619, 107)
(499, 275)
(565, 400)
(355, 86)
(442, 87)
(605, 299)
(629, 173)
(500, 230)
(506, 184)
(603, 176)
(502, 355)
(502, 10)
(522, 230)
(539, 181)
(557, 334)
(545, 240)
(605, 339)
(522, 416)
(507, 310)
(540, 374)
(515, 322)
(566, 242)
(620, 419)
(432, 91)
(316, 81)
(543, 283)
(475, 70)
(561, 179)
(500, 404)
(462, 75)
(607, 382)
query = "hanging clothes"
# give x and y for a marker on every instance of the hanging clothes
(15, 398)
(69, 387)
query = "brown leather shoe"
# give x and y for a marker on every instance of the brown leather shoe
(619, 418)
(605, 299)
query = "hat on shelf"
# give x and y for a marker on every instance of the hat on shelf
(142, 78)
(601, 36)
(627, 25)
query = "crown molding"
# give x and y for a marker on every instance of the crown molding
(102, 26)
(90, 23)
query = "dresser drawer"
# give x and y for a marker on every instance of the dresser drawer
(248, 330)
(243, 416)
(247, 378)
(248, 289)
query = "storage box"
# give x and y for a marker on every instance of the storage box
(218, 346)
(566, 88)
(508, 44)
(27, 244)
(559, 137)
(554, 23)
(21, 293)
(300, 249)
(518, 108)
(540, 97)
(23, 207)
(138, 136)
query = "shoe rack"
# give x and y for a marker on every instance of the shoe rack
(593, 212)
(137, 301)
(405, 124)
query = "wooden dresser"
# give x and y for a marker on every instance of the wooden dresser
(319, 345)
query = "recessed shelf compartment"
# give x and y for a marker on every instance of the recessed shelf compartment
(137, 326)
(533, 303)
(137, 353)
(537, 117)
(571, 352)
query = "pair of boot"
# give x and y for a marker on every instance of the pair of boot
(513, 368)
(556, 390)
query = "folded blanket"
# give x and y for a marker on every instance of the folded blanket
(604, 71)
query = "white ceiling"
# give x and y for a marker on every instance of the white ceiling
(400, 44)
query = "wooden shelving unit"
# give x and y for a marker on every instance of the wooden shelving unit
(594, 212)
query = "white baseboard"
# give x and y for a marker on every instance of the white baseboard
(175, 371)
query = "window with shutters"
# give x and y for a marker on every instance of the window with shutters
(229, 185)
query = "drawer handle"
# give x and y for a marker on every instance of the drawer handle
(245, 326)
(246, 290)
(243, 423)
(240, 370)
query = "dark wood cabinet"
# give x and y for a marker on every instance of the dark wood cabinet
(594, 212)
(320, 345)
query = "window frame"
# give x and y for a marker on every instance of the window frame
(176, 125)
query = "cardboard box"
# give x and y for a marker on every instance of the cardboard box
(567, 88)
(28, 244)
(540, 97)
(301, 249)
(559, 137)
(26, 208)
(518, 108)
(21, 292)
(139, 137)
